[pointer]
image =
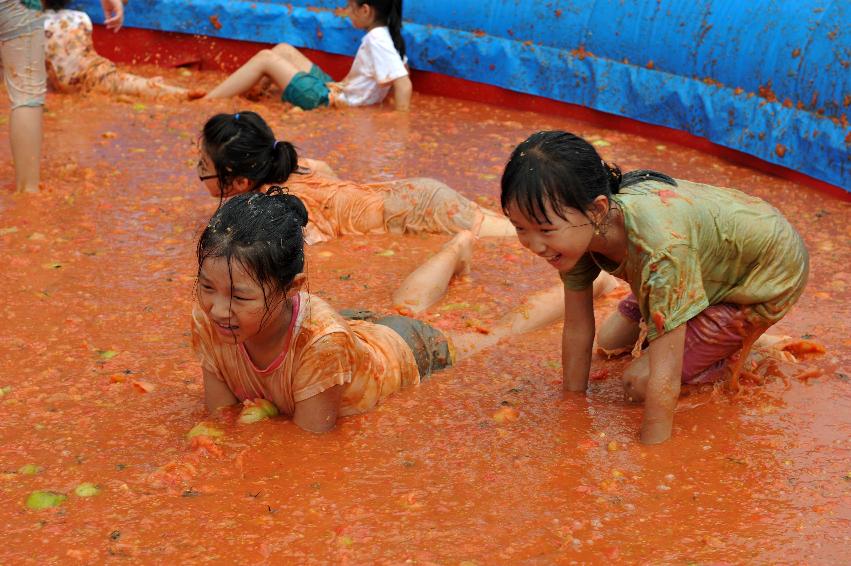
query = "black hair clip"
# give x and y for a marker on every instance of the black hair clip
(277, 190)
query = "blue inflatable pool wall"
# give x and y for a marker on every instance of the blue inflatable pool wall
(771, 78)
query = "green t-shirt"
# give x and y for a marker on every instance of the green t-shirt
(32, 4)
(693, 245)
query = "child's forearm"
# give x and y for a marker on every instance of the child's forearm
(663, 386)
(402, 90)
(216, 393)
(577, 339)
(576, 357)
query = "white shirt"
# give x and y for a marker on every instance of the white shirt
(377, 64)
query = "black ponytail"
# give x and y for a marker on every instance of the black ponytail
(284, 160)
(615, 177)
(389, 12)
(291, 202)
(394, 25)
(641, 175)
(564, 171)
(243, 145)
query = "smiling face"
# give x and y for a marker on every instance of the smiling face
(561, 241)
(236, 304)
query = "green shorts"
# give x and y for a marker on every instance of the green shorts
(431, 348)
(308, 90)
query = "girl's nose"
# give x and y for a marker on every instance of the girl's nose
(220, 308)
(534, 244)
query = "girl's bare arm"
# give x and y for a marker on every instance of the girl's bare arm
(402, 90)
(577, 338)
(216, 392)
(319, 413)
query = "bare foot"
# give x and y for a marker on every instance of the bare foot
(491, 224)
(769, 340)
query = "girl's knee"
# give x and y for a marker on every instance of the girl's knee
(265, 55)
(617, 333)
(283, 49)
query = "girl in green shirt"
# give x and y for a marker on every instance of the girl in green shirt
(710, 269)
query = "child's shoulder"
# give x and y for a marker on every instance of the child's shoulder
(654, 194)
(379, 36)
(318, 318)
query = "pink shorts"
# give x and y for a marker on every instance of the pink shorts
(712, 336)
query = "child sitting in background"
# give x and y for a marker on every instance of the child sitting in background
(378, 65)
(74, 65)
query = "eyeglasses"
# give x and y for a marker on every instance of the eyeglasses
(199, 167)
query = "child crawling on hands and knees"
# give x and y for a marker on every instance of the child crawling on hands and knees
(239, 153)
(710, 269)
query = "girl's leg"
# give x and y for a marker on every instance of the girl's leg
(127, 83)
(539, 310)
(620, 330)
(712, 337)
(295, 57)
(425, 205)
(26, 83)
(544, 308)
(428, 283)
(25, 135)
(617, 334)
(264, 63)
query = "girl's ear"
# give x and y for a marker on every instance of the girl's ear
(238, 186)
(598, 210)
(367, 12)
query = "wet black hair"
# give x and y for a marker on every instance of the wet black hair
(243, 145)
(389, 12)
(263, 233)
(565, 171)
(55, 4)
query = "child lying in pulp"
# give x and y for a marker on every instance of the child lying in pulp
(259, 335)
(239, 153)
(710, 269)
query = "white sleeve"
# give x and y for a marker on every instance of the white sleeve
(386, 62)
